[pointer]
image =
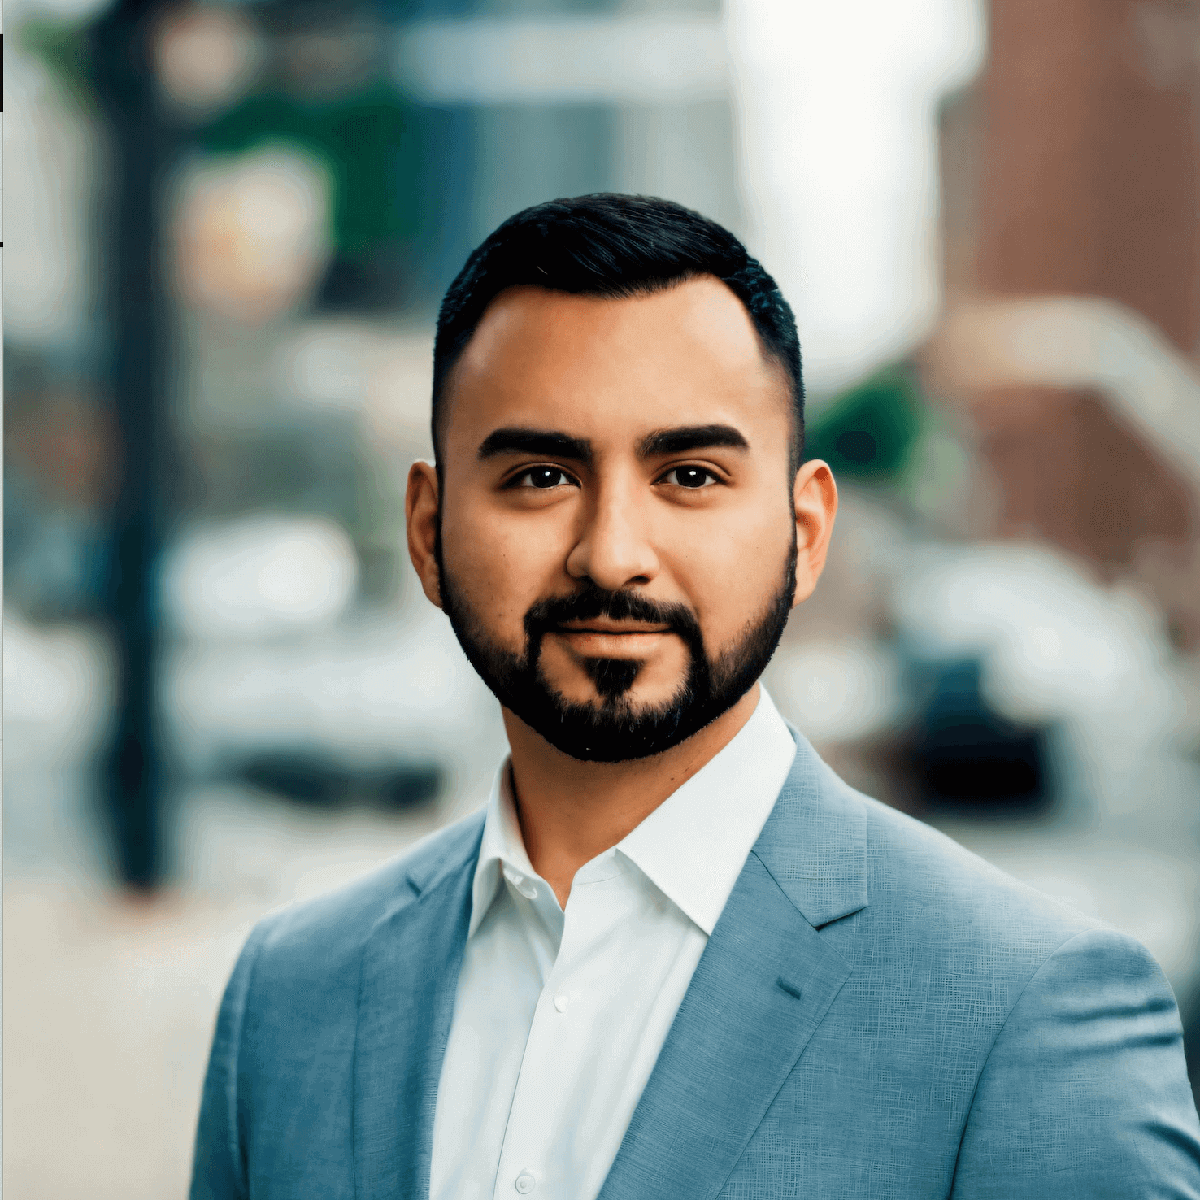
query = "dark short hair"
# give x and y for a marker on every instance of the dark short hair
(614, 246)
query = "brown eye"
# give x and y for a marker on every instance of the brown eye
(690, 477)
(543, 478)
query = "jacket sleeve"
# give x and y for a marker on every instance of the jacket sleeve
(1085, 1095)
(218, 1164)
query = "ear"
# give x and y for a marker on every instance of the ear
(815, 499)
(421, 516)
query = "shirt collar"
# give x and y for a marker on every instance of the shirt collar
(692, 847)
(501, 847)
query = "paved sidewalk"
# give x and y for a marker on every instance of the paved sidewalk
(109, 1004)
(109, 1007)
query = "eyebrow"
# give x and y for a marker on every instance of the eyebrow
(681, 438)
(550, 443)
(547, 442)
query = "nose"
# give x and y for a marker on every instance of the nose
(614, 550)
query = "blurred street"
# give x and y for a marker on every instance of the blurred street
(229, 227)
(109, 1000)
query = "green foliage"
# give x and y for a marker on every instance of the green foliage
(868, 433)
(64, 49)
(365, 142)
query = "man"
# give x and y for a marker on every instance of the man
(675, 956)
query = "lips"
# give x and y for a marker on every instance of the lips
(610, 628)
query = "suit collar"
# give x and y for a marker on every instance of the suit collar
(447, 852)
(763, 985)
(693, 846)
(814, 841)
(408, 979)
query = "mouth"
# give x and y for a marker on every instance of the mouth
(610, 628)
(611, 639)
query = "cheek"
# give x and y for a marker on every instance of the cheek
(501, 567)
(732, 575)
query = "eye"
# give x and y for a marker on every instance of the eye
(542, 478)
(690, 477)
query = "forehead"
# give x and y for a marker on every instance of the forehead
(612, 369)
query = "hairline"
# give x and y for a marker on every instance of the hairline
(643, 287)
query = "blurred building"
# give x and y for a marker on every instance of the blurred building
(1071, 232)
(320, 215)
(986, 219)
(229, 325)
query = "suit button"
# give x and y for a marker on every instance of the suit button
(525, 1183)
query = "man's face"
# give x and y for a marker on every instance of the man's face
(617, 549)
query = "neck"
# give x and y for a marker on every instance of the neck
(570, 811)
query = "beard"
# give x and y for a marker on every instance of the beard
(614, 728)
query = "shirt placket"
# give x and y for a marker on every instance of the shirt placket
(528, 1161)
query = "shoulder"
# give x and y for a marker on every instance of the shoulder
(855, 866)
(918, 868)
(946, 894)
(934, 908)
(288, 1022)
(334, 926)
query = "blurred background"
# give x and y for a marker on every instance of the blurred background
(229, 225)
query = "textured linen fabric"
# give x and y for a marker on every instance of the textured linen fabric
(877, 1014)
(560, 1016)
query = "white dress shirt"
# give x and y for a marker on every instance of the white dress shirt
(560, 1015)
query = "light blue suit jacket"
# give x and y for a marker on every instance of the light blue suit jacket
(878, 1013)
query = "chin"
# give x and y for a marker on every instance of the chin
(613, 685)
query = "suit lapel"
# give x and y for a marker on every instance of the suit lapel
(410, 972)
(763, 985)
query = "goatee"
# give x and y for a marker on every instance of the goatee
(614, 729)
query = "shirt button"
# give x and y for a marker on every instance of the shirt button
(525, 1183)
(527, 889)
(560, 1002)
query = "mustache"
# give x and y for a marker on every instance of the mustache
(552, 612)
